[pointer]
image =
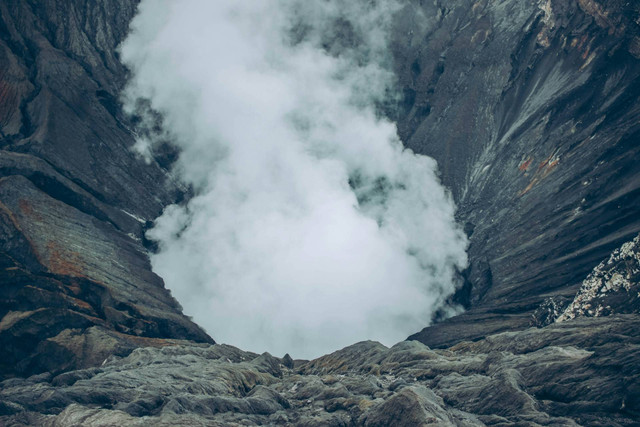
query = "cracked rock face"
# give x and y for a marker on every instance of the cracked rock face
(568, 374)
(76, 284)
(612, 287)
(531, 110)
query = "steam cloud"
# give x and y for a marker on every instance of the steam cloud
(311, 227)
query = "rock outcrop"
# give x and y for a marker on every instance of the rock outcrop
(530, 108)
(569, 374)
(76, 283)
(612, 287)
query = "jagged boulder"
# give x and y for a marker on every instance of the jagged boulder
(569, 373)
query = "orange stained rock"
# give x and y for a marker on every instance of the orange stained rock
(544, 169)
(524, 165)
(63, 261)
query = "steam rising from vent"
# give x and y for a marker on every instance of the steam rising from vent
(311, 226)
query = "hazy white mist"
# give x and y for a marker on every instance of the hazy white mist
(312, 228)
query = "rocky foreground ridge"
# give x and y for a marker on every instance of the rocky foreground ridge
(582, 369)
(583, 372)
(532, 111)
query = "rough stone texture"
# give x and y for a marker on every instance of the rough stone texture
(612, 287)
(568, 374)
(531, 109)
(83, 273)
(75, 281)
(63, 54)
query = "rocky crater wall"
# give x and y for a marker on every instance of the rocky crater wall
(530, 108)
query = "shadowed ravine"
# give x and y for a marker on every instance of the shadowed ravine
(532, 113)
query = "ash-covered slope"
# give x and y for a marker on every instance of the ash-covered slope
(76, 284)
(532, 111)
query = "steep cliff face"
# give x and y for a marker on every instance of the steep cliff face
(76, 282)
(531, 110)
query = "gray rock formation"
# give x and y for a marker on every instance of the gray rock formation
(74, 199)
(612, 287)
(572, 373)
(530, 108)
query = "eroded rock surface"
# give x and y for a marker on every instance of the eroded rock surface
(612, 287)
(573, 373)
(75, 280)
(531, 109)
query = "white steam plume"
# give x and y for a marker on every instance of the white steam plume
(311, 227)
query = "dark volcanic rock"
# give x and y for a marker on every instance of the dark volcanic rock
(75, 281)
(572, 373)
(58, 282)
(531, 109)
(65, 79)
